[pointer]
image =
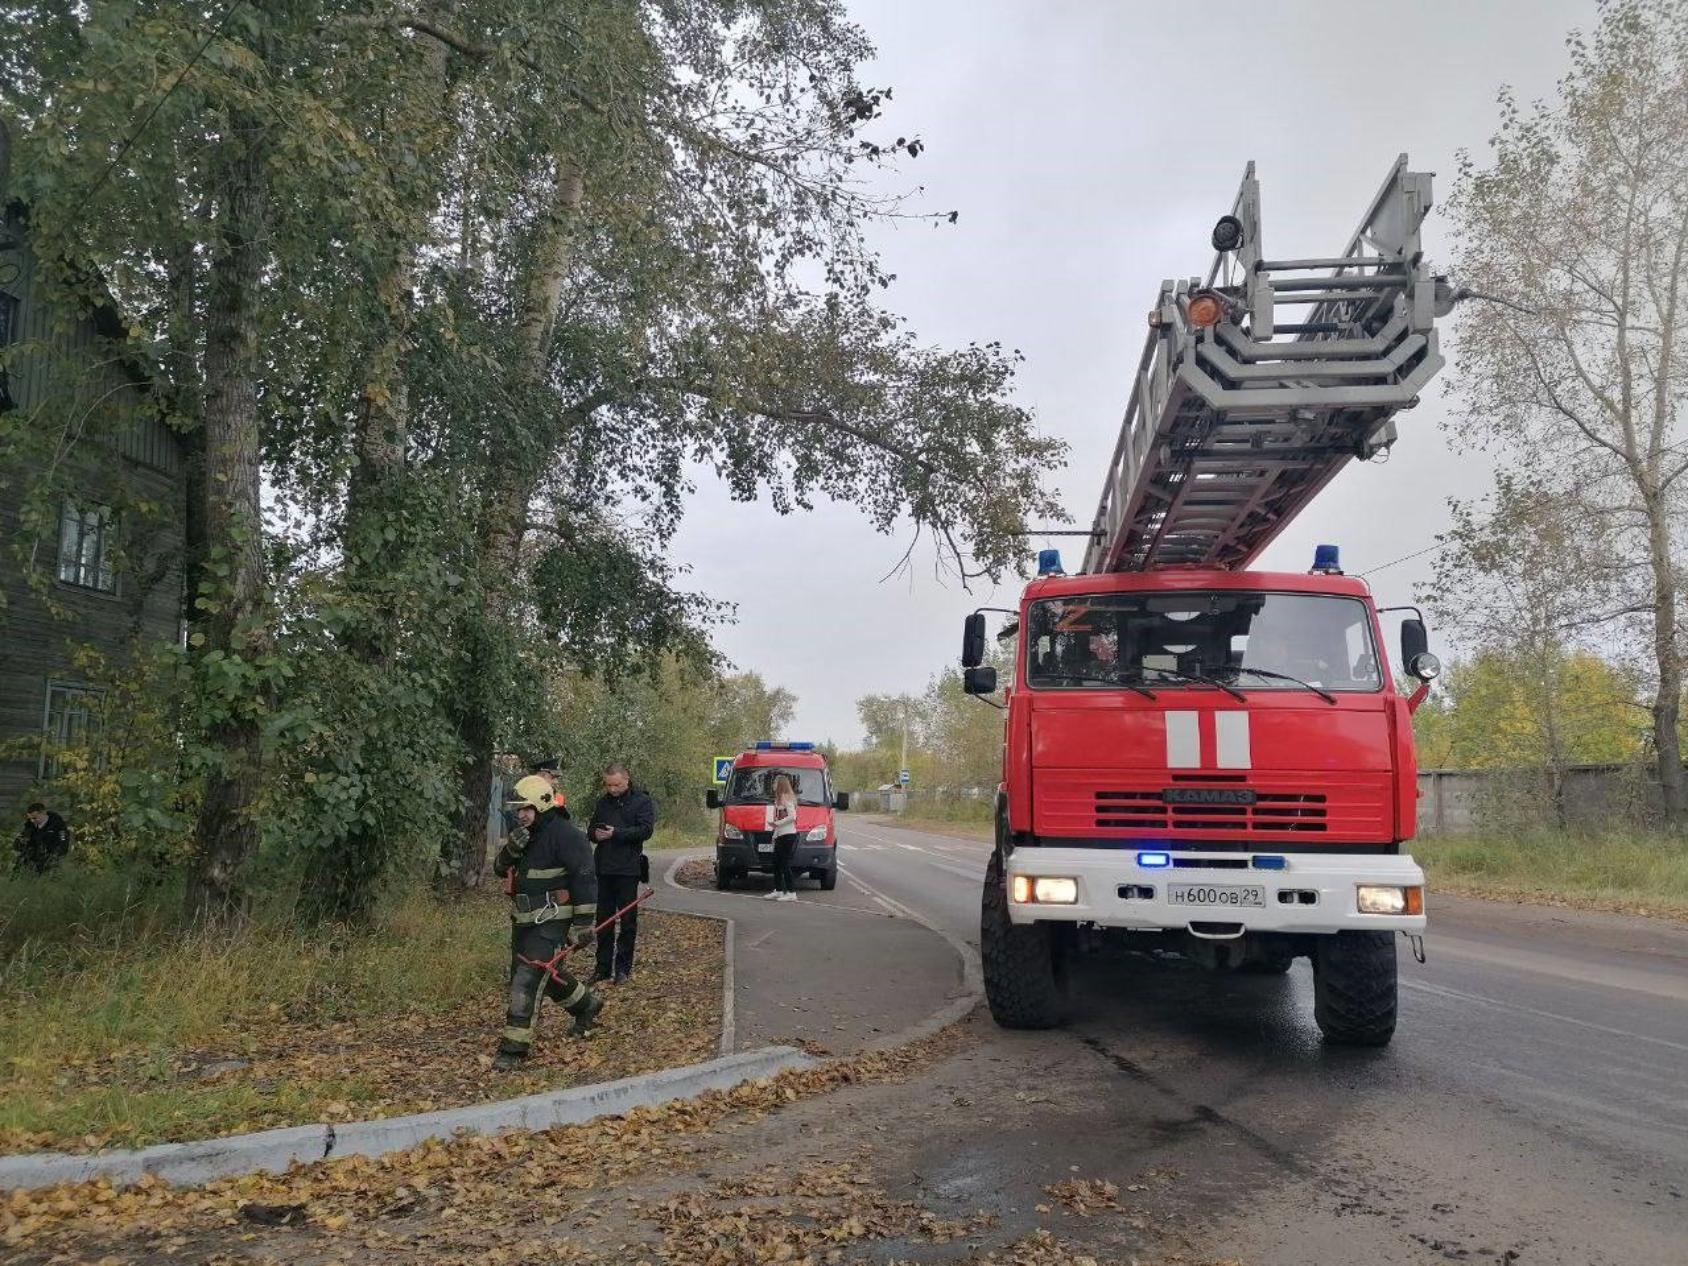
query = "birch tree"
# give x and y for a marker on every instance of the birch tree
(1577, 221)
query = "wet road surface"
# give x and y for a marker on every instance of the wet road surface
(1532, 1107)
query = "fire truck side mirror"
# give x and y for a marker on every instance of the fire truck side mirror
(841, 802)
(973, 641)
(1415, 652)
(1414, 642)
(979, 681)
(712, 798)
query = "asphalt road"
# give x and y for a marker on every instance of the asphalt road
(1532, 1107)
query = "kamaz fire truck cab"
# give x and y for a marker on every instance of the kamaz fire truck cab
(744, 840)
(1197, 756)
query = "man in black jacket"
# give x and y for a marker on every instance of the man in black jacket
(44, 840)
(622, 821)
(553, 892)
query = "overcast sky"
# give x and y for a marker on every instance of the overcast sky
(1089, 145)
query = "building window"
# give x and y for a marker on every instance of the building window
(9, 334)
(73, 719)
(87, 538)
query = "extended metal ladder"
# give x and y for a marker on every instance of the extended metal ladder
(1232, 430)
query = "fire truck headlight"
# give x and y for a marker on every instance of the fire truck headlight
(1055, 892)
(1381, 899)
(730, 832)
(817, 834)
(1043, 890)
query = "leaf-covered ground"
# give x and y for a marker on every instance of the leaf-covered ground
(780, 1170)
(294, 1064)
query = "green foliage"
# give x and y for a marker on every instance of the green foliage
(954, 739)
(1509, 711)
(122, 784)
(667, 725)
(522, 271)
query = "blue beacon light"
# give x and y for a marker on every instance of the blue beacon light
(1327, 560)
(1154, 861)
(1049, 562)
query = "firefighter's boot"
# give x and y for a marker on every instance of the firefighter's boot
(585, 1012)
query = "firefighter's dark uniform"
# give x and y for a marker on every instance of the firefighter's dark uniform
(553, 895)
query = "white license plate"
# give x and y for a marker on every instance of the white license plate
(1216, 895)
(764, 848)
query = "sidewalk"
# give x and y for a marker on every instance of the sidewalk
(833, 970)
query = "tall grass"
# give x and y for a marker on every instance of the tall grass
(1619, 870)
(97, 971)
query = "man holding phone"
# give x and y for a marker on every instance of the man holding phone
(622, 820)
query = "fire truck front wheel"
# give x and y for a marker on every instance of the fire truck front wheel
(1354, 988)
(1024, 964)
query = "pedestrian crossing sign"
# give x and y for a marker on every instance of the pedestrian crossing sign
(723, 767)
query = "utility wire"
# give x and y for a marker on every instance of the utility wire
(135, 135)
(1406, 558)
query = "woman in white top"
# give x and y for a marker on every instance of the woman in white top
(785, 839)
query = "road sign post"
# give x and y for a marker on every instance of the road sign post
(723, 767)
(903, 779)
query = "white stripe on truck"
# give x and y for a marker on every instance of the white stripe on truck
(1231, 732)
(1183, 740)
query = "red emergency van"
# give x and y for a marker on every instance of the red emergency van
(744, 840)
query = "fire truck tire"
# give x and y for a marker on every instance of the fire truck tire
(828, 878)
(723, 877)
(1354, 988)
(1025, 981)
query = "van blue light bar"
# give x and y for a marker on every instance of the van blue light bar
(1269, 863)
(1154, 861)
(769, 745)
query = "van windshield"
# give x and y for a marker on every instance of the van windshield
(756, 785)
(1252, 641)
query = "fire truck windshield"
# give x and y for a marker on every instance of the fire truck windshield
(1257, 641)
(755, 785)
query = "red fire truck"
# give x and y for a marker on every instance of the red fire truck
(1199, 757)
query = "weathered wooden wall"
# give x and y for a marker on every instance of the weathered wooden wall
(111, 446)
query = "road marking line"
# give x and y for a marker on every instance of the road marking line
(1459, 995)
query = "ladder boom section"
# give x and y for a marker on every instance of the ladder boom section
(1234, 424)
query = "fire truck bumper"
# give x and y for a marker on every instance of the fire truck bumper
(1182, 889)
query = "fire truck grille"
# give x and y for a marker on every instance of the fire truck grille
(1272, 811)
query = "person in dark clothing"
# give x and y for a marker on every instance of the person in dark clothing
(43, 842)
(553, 893)
(622, 821)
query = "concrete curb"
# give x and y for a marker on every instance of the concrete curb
(275, 1150)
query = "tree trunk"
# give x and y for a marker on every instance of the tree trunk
(1667, 703)
(514, 473)
(232, 622)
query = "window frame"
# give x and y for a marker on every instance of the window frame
(11, 316)
(47, 768)
(70, 510)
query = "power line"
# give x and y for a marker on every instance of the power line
(1406, 558)
(135, 135)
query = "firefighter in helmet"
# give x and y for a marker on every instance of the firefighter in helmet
(553, 891)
